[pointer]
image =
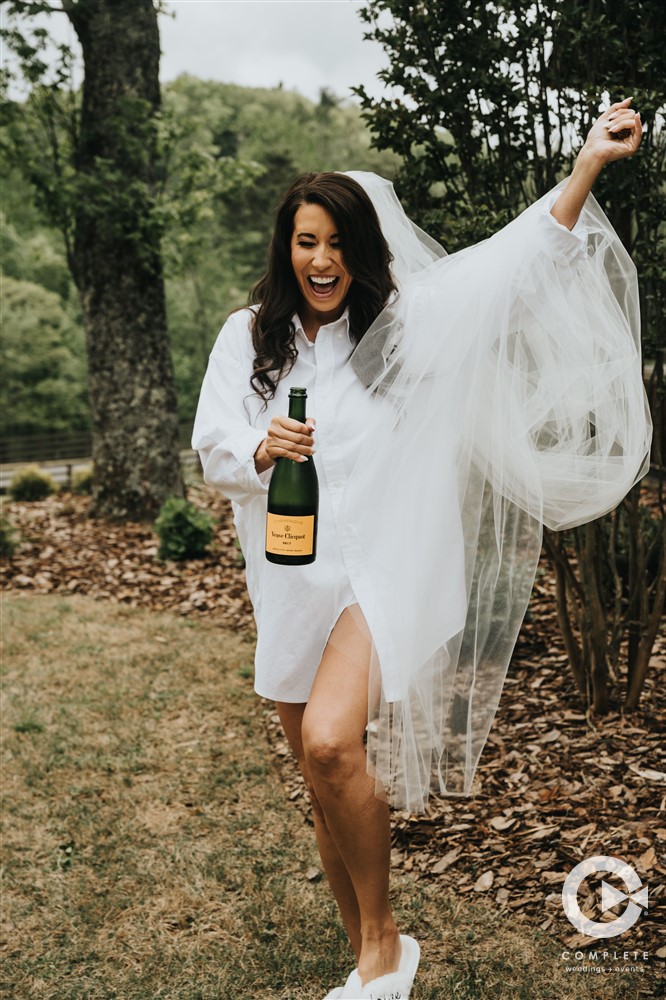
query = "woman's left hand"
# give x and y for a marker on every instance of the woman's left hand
(615, 134)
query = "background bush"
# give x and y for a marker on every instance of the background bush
(184, 531)
(8, 538)
(82, 481)
(30, 483)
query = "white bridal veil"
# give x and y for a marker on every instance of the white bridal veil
(511, 396)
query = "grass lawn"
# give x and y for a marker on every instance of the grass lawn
(149, 847)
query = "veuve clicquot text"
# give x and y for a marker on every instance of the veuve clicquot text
(293, 502)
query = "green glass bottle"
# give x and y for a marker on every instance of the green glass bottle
(293, 502)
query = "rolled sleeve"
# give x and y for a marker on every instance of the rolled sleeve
(566, 245)
(229, 466)
(222, 434)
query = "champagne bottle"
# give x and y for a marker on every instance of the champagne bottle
(293, 502)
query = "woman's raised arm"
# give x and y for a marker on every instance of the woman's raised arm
(615, 135)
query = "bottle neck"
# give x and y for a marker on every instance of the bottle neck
(297, 406)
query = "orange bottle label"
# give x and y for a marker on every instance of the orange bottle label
(290, 536)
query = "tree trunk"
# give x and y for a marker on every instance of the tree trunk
(596, 618)
(653, 621)
(117, 261)
(559, 561)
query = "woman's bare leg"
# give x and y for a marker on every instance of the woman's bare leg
(291, 717)
(333, 725)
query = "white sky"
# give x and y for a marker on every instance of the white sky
(303, 44)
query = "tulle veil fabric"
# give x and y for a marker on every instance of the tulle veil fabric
(510, 395)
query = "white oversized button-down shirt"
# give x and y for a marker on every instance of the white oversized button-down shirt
(295, 607)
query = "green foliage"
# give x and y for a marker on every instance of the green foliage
(38, 257)
(30, 483)
(82, 481)
(229, 153)
(8, 538)
(470, 112)
(39, 136)
(98, 178)
(43, 362)
(495, 101)
(184, 531)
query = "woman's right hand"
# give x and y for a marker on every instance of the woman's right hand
(286, 439)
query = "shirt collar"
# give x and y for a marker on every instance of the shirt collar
(343, 320)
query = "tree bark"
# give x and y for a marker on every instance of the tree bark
(563, 579)
(595, 617)
(654, 620)
(117, 261)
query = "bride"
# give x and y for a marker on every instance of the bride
(456, 404)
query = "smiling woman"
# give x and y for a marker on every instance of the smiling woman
(460, 402)
(316, 257)
(326, 225)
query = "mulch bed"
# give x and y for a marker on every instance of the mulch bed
(555, 785)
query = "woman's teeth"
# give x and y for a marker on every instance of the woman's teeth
(323, 285)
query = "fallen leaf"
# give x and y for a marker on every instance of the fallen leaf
(502, 822)
(648, 859)
(648, 773)
(484, 882)
(541, 832)
(446, 861)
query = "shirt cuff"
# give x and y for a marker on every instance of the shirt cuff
(243, 446)
(567, 244)
(229, 466)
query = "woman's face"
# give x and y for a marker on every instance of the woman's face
(316, 257)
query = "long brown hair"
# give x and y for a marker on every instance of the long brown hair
(365, 254)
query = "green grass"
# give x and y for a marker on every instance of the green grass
(28, 725)
(150, 851)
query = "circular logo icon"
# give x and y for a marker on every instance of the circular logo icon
(610, 896)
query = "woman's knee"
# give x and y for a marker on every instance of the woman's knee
(329, 750)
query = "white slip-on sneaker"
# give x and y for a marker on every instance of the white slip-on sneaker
(396, 985)
(353, 988)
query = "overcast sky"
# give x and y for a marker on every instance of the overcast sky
(303, 44)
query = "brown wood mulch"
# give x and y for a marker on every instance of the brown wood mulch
(554, 786)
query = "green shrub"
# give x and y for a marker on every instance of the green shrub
(30, 483)
(184, 531)
(82, 480)
(8, 538)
